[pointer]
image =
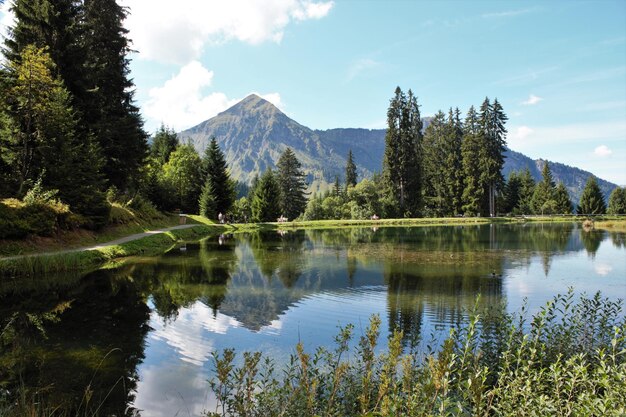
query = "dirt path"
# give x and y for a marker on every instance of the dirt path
(105, 244)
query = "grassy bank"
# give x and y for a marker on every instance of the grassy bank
(567, 360)
(611, 224)
(150, 245)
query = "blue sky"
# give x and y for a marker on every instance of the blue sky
(558, 67)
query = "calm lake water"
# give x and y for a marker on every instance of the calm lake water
(141, 335)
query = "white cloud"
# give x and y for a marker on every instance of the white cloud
(178, 34)
(181, 102)
(360, 66)
(532, 100)
(524, 139)
(521, 133)
(602, 151)
(603, 269)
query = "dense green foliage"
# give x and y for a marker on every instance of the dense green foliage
(266, 202)
(182, 174)
(402, 159)
(215, 172)
(292, 185)
(163, 144)
(569, 359)
(67, 114)
(617, 201)
(592, 200)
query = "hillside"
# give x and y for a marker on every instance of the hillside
(253, 133)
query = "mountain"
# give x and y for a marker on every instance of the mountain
(253, 133)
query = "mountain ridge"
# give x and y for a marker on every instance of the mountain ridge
(253, 133)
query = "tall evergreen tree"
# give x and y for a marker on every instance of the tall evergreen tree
(266, 202)
(163, 144)
(214, 167)
(563, 202)
(207, 204)
(471, 149)
(402, 163)
(527, 190)
(292, 184)
(617, 201)
(544, 199)
(592, 200)
(512, 192)
(491, 156)
(454, 162)
(351, 175)
(433, 166)
(109, 110)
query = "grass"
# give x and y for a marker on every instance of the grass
(151, 245)
(611, 224)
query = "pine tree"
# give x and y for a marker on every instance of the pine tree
(491, 156)
(433, 166)
(471, 149)
(563, 202)
(592, 200)
(108, 109)
(163, 144)
(292, 185)
(544, 198)
(214, 167)
(527, 190)
(266, 202)
(617, 201)
(207, 200)
(351, 175)
(454, 162)
(401, 163)
(512, 192)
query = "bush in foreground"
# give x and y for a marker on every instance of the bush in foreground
(568, 360)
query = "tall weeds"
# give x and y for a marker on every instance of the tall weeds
(567, 360)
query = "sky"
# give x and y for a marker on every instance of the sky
(557, 67)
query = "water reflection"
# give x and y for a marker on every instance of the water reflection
(147, 328)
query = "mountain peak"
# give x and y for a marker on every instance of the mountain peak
(252, 105)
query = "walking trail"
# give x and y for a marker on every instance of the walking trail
(119, 241)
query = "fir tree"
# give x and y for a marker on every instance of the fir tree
(491, 156)
(163, 144)
(214, 167)
(512, 192)
(292, 185)
(561, 197)
(401, 163)
(471, 149)
(592, 200)
(266, 202)
(434, 170)
(544, 198)
(207, 200)
(351, 175)
(617, 201)
(108, 109)
(527, 190)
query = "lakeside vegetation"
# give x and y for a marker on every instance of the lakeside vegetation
(568, 359)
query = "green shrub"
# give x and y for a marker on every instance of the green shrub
(569, 360)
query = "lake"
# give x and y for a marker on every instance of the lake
(141, 334)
